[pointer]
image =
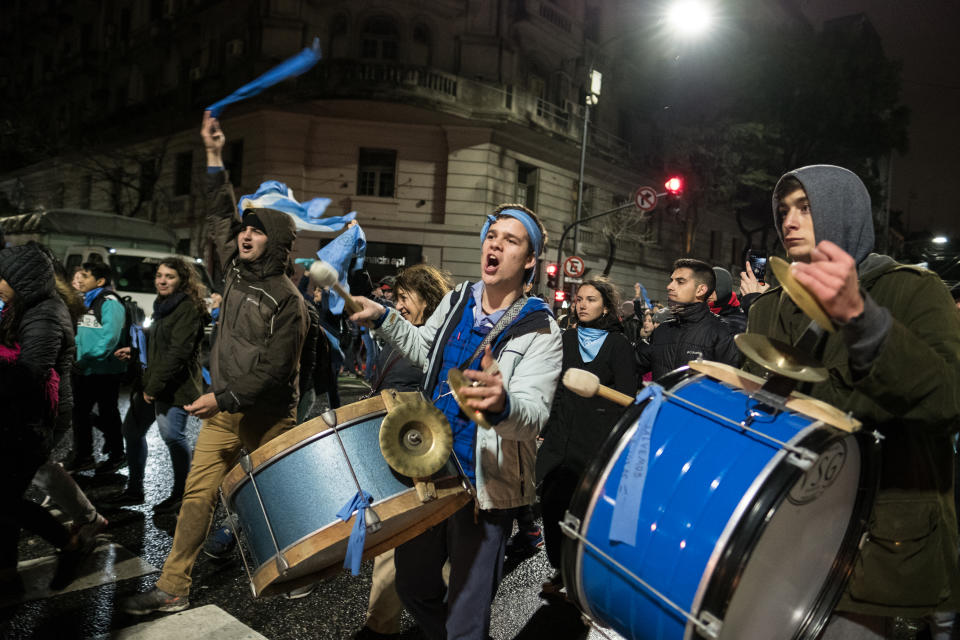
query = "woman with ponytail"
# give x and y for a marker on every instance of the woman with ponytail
(578, 425)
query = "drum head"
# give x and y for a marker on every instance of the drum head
(787, 561)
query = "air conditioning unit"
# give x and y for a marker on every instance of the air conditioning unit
(196, 73)
(235, 47)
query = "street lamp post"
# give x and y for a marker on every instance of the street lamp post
(593, 96)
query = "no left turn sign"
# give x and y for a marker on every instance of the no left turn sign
(645, 199)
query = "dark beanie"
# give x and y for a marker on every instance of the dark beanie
(724, 284)
(251, 219)
(28, 272)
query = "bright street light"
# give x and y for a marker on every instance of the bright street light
(689, 17)
(940, 240)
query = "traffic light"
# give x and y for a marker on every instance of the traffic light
(674, 186)
(553, 271)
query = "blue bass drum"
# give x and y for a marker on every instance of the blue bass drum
(287, 504)
(749, 520)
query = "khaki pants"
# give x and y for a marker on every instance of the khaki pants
(216, 452)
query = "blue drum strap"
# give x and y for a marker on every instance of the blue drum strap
(626, 511)
(358, 536)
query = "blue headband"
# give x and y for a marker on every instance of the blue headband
(533, 231)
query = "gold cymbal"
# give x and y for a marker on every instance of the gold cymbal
(780, 358)
(415, 439)
(457, 380)
(800, 295)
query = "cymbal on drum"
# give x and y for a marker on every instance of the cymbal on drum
(415, 439)
(457, 381)
(780, 358)
(800, 295)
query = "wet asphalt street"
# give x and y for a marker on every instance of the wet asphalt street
(334, 610)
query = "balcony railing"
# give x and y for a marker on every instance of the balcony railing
(445, 91)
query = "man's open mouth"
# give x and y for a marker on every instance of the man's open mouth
(491, 263)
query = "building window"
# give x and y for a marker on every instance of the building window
(380, 39)
(233, 161)
(182, 173)
(527, 185)
(377, 171)
(420, 51)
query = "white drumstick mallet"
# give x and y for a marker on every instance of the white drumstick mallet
(325, 275)
(583, 383)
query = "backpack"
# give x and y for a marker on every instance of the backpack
(132, 333)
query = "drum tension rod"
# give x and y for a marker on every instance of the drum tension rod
(371, 517)
(707, 624)
(247, 465)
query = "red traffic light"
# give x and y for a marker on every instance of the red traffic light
(559, 295)
(552, 269)
(674, 185)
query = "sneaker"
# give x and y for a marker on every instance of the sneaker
(170, 505)
(553, 587)
(154, 600)
(79, 464)
(110, 465)
(220, 544)
(302, 592)
(126, 498)
(89, 530)
(525, 542)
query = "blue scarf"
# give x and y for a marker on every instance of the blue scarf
(590, 342)
(90, 296)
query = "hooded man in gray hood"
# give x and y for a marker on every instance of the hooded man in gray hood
(894, 363)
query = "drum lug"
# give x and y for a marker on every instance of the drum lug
(571, 521)
(800, 457)
(710, 625)
(372, 520)
(330, 417)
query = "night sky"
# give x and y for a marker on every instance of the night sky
(923, 36)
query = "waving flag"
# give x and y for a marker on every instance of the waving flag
(300, 63)
(308, 215)
(350, 244)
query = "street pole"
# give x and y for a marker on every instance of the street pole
(583, 161)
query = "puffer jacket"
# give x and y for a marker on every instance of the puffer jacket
(263, 322)
(45, 330)
(907, 565)
(694, 332)
(530, 356)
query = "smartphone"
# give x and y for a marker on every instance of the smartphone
(758, 263)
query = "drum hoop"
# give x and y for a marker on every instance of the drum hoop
(594, 478)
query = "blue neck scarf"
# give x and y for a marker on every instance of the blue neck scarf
(590, 342)
(90, 296)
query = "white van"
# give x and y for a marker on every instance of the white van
(133, 270)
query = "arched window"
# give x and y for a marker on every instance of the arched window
(380, 39)
(420, 52)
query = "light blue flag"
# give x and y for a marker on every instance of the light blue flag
(350, 244)
(308, 215)
(300, 63)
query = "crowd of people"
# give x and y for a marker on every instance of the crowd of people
(66, 348)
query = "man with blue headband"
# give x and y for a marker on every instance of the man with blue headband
(476, 325)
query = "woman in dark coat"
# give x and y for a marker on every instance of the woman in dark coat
(36, 349)
(577, 425)
(171, 379)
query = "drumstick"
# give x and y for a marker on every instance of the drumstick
(325, 275)
(583, 383)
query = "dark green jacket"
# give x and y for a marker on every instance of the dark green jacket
(911, 395)
(173, 355)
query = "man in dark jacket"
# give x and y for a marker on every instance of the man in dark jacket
(692, 331)
(254, 366)
(894, 363)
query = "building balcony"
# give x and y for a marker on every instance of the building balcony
(456, 95)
